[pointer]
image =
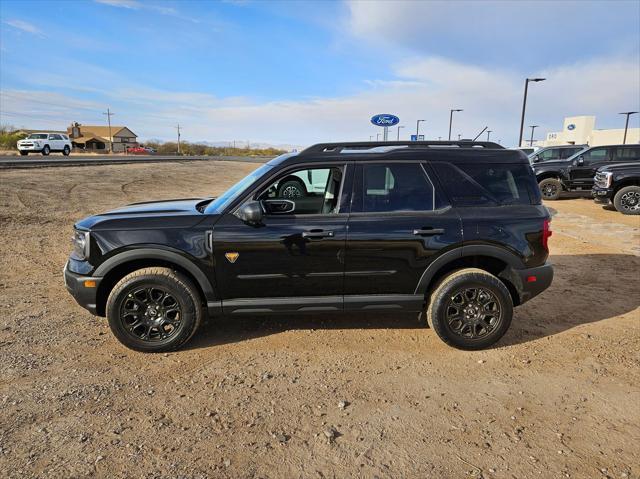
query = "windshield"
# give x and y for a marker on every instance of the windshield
(37, 136)
(218, 205)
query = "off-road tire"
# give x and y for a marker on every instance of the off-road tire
(24, 153)
(66, 150)
(449, 287)
(291, 186)
(46, 150)
(178, 286)
(622, 197)
(550, 188)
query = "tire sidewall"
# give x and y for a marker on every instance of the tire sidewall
(617, 200)
(469, 279)
(556, 182)
(66, 150)
(46, 150)
(188, 304)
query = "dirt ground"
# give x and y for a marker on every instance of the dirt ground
(559, 396)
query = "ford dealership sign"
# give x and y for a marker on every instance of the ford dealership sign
(571, 127)
(384, 119)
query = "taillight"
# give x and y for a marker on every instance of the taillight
(546, 233)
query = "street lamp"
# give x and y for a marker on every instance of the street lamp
(370, 137)
(524, 104)
(399, 126)
(377, 136)
(626, 124)
(488, 133)
(418, 128)
(459, 136)
(533, 127)
(451, 120)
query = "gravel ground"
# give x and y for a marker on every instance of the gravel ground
(322, 396)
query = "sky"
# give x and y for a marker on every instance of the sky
(297, 73)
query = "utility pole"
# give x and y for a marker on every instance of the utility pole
(377, 136)
(451, 121)
(178, 128)
(626, 124)
(524, 104)
(488, 134)
(533, 127)
(109, 115)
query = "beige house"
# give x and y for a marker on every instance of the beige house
(99, 138)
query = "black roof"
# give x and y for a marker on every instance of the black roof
(450, 151)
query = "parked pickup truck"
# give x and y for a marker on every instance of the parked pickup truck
(576, 173)
(620, 185)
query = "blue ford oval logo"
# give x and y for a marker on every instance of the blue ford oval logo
(384, 119)
(571, 126)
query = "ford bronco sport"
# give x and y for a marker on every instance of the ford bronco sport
(454, 231)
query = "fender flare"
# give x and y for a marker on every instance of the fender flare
(163, 255)
(511, 259)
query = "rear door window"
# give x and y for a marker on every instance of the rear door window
(627, 153)
(393, 187)
(488, 184)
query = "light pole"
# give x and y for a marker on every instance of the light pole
(451, 120)
(418, 129)
(398, 137)
(626, 124)
(524, 104)
(488, 133)
(459, 136)
(370, 137)
(533, 127)
(377, 136)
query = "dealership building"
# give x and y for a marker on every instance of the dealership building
(581, 130)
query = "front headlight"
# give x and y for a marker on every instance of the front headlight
(608, 176)
(80, 242)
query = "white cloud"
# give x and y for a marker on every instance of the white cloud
(136, 5)
(420, 88)
(25, 27)
(130, 4)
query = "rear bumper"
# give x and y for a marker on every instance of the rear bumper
(533, 281)
(601, 195)
(84, 295)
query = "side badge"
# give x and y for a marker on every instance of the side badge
(232, 256)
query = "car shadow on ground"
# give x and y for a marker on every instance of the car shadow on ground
(586, 289)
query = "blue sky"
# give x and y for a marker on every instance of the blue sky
(300, 72)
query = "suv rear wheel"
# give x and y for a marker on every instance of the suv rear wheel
(470, 309)
(627, 200)
(154, 310)
(550, 188)
(66, 150)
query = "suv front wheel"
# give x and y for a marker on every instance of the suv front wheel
(550, 188)
(470, 309)
(154, 310)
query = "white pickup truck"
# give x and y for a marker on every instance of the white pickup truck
(45, 143)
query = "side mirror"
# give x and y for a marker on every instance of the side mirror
(580, 161)
(536, 159)
(251, 212)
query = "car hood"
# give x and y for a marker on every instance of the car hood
(177, 212)
(621, 166)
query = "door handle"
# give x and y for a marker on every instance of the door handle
(428, 231)
(317, 234)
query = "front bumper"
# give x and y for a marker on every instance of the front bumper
(533, 281)
(84, 289)
(601, 195)
(29, 148)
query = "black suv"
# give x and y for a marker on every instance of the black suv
(576, 173)
(454, 231)
(552, 153)
(619, 184)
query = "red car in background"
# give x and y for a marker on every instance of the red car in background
(137, 150)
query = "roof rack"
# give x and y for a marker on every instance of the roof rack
(367, 145)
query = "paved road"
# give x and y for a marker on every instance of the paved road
(59, 160)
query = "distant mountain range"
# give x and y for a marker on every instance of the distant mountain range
(257, 145)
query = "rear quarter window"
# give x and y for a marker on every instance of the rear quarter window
(488, 184)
